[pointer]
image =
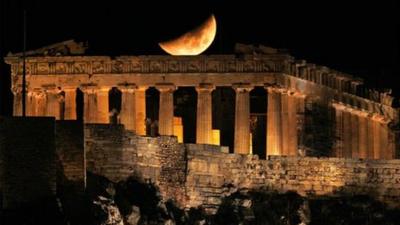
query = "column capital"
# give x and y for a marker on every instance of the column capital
(16, 90)
(272, 88)
(68, 88)
(127, 87)
(93, 88)
(53, 89)
(298, 94)
(380, 119)
(361, 113)
(205, 87)
(242, 87)
(165, 87)
(39, 92)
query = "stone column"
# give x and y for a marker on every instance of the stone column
(40, 102)
(384, 139)
(204, 114)
(274, 127)
(347, 135)
(284, 123)
(292, 136)
(89, 104)
(354, 135)
(53, 106)
(339, 130)
(17, 102)
(392, 136)
(370, 135)
(30, 103)
(140, 110)
(363, 135)
(166, 109)
(128, 112)
(377, 137)
(70, 103)
(300, 119)
(242, 119)
(103, 111)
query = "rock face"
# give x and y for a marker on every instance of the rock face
(133, 217)
(133, 202)
(106, 211)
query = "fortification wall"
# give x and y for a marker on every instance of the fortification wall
(195, 175)
(213, 174)
(118, 154)
(70, 153)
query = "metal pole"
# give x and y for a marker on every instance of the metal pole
(24, 70)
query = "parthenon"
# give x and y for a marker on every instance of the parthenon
(364, 123)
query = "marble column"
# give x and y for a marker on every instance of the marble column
(103, 111)
(30, 103)
(242, 119)
(392, 135)
(274, 127)
(384, 141)
(363, 135)
(204, 114)
(339, 131)
(292, 134)
(70, 103)
(300, 119)
(377, 138)
(53, 106)
(284, 122)
(354, 135)
(370, 135)
(140, 110)
(89, 104)
(17, 101)
(127, 114)
(40, 102)
(347, 134)
(166, 109)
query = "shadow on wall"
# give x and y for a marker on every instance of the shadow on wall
(136, 201)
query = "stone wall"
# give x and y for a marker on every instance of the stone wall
(117, 154)
(27, 150)
(195, 175)
(70, 154)
(213, 175)
(105, 152)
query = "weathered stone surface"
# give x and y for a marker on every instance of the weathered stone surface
(106, 212)
(201, 175)
(71, 154)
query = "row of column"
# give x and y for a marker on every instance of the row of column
(283, 110)
(360, 134)
(40, 102)
(285, 116)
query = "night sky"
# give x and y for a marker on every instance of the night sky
(357, 37)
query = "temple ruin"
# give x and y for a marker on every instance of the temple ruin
(362, 123)
(291, 126)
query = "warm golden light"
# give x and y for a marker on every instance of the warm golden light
(215, 137)
(193, 42)
(178, 129)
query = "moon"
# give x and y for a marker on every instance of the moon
(193, 42)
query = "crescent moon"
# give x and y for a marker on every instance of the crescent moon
(193, 42)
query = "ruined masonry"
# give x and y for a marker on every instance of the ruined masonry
(362, 125)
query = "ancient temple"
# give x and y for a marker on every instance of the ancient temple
(357, 122)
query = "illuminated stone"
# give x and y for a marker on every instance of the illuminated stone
(166, 109)
(204, 114)
(178, 129)
(242, 119)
